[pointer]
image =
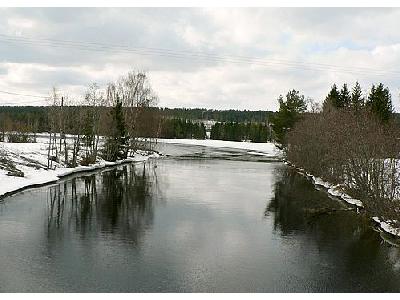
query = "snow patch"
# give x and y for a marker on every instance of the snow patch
(265, 149)
(35, 173)
(333, 190)
(388, 226)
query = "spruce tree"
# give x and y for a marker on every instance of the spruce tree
(122, 139)
(344, 97)
(380, 102)
(357, 100)
(332, 100)
(116, 145)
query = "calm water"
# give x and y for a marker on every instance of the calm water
(200, 220)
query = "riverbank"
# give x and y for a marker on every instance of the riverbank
(24, 165)
(30, 160)
(389, 226)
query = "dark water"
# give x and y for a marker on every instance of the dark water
(201, 220)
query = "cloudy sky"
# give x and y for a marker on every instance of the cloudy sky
(211, 57)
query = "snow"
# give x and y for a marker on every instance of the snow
(319, 181)
(20, 153)
(388, 226)
(264, 149)
(336, 191)
(31, 158)
(333, 190)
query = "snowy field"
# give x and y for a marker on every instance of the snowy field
(31, 159)
(265, 149)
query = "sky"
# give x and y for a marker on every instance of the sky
(220, 58)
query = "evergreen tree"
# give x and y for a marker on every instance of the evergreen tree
(116, 145)
(234, 131)
(333, 99)
(182, 129)
(289, 112)
(344, 97)
(357, 100)
(295, 102)
(380, 102)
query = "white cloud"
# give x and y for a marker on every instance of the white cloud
(363, 41)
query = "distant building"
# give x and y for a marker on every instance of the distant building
(208, 124)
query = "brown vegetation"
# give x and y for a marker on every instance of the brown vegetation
(352, 148)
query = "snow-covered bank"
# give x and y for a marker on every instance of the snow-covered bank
(265, 149)
(31, 159)
(336, 191)
(331, 189)
(389, 226)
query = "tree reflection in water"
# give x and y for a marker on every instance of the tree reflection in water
(298, 208)
(343, 237)
(117, 203)
(295, 201)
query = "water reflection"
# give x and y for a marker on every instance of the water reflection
(296, 203)
(344, 239)
(118, 203)
(224, 226)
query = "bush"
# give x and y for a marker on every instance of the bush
(20, 137)
(354, 149)
(88, 160)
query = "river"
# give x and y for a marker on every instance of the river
(199, 220)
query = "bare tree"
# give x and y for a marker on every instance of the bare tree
(355, 150)
(93, 102)
(54, 101)
(137, 96)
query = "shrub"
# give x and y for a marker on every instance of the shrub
(20, 137)
(88, 160)
(354, 149)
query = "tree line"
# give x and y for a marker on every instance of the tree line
(35, 118)
(182, 129)
(231, 115)
(233, 125)
(352, 140)
(233, 131)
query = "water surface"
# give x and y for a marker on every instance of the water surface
(200, 220)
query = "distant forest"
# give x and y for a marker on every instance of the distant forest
(231, 125)
(238, 116)
(232, 131)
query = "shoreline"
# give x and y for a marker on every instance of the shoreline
(333, 190)
(39, 175)
(60, 173)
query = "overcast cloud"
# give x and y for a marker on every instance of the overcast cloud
(294, 47)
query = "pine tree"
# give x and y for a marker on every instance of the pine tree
(380, 102)
(295, 102)
(288, 113)
(332, 100)
(357, 100)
